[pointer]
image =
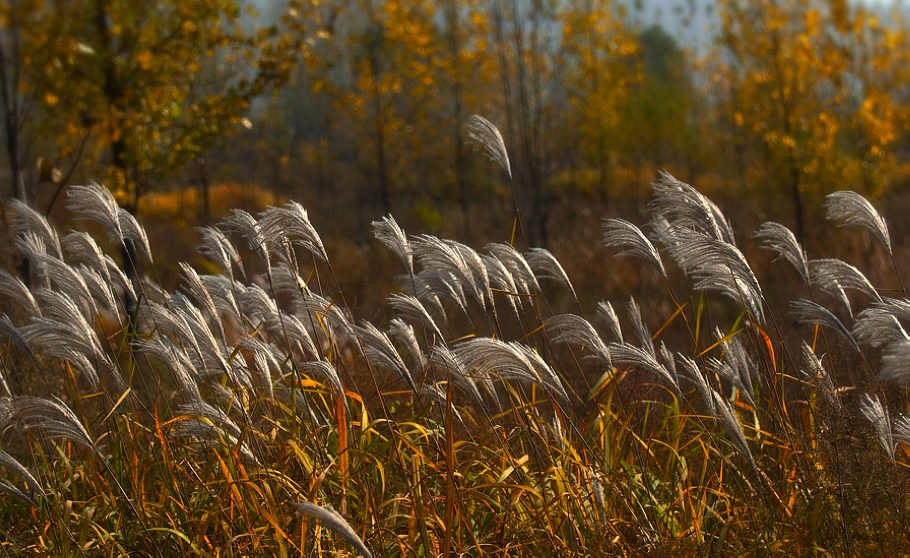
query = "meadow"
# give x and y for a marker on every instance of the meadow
(253, 411)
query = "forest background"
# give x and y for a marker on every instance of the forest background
(358, 109)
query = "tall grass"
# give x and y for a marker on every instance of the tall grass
(251, 412)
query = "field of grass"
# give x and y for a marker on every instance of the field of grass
(253, 412)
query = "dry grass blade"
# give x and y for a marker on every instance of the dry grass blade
(13, 465)
(781, 240)
(850, 208)
(877, 414)
(484, 133)
(330, 519)
(619, 233)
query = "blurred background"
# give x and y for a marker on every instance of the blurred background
(358, 109)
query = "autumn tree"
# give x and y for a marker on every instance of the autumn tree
(152, 84)
(599, 54)
(808, 86)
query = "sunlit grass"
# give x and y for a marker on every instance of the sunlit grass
(233, 416)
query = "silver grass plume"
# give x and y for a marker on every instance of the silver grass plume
(682, 206)
(781, 240)
(13, 465)
(223, 292)
(404, 332)
(213, 357)
(387, 231)
(324, 370)
(629, 356)
(133, 231)
(27, 220)
(605, 310)
(217, 247)
(330, 519)
(691, 371)
(327, 312)
(716, 265)
(668, 359)
(548, 376)
(442, 359)
(14, 335)
(197, 422)
(900, 429)
(15, 290)
(808, 312)
(292, 224)
(451, 258)
(266, 359)
(200, 295)
(638, 327)
(64, 332)
(51, 417)
(570, 328)
(515, 262)
(501, 280)
(379, 351)
(176, 360)
(99, 288)
(850, 208)
(900, 307)
(877, 327)
(833, 276)
(546, 266)
(80, 247)
(731, 376)
(95, 203)
(618, 233)
(721, 408)
(877, 414)
(245, 225)
(54, 272)
(895, 359)
(493, 358)
(484, 133)
(736, 357)
(431, 286)
(813, 370)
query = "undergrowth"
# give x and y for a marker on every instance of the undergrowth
(251, 413)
